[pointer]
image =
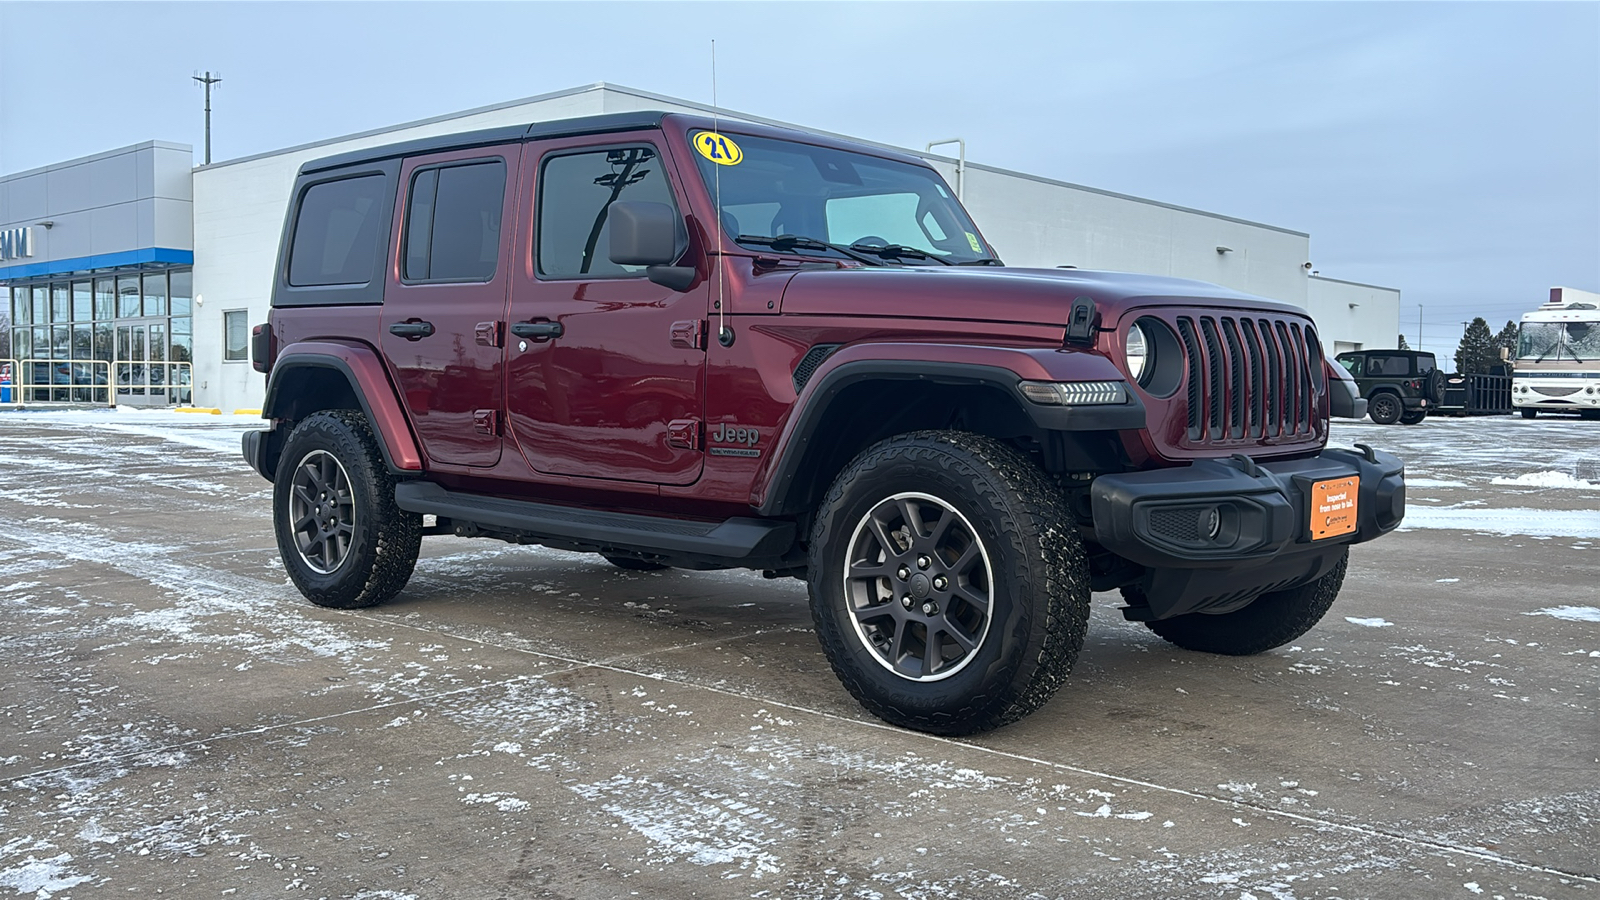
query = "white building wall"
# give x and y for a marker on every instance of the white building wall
(1353, 316)
(1036, 222)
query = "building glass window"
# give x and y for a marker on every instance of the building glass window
(182, 291)
(105, 298)
(155, 294)
(131, 329)
(235, 335)
(82, 302)
(128, 297)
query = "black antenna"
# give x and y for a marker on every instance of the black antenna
(724, 333)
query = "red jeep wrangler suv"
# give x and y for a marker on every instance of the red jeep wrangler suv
(675, 343)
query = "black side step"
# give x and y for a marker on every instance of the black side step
(737, 540)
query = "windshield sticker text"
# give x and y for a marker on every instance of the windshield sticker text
(718, 148)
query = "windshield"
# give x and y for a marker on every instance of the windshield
(1576, 341)
(771, 188)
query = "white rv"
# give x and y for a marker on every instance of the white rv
(1558, 356)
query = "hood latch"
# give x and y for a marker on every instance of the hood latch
(1081, 321)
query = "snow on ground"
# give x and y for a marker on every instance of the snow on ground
(218, 434)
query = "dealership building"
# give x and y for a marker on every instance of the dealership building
(133, 275)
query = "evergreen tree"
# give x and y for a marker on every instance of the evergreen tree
(1507, 338)
(1402, 344)
(1476, 352)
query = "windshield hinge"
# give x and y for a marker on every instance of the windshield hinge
(1081, 322)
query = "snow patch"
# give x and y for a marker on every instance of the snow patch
(1376, 622)
(41, 877)
(1546, 480)
(1567, 523)
(1569, 613)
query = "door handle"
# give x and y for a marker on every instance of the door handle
(537, 331)
(412, 331)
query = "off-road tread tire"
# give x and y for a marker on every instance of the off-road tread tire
(1271, 620)
(387, 538)
(1433, 387)
(635, 565)
(1035, 551)
(1412, 418)
(1385, 415)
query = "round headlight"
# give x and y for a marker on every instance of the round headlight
(1138, 350)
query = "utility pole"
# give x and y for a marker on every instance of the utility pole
(208, 81)
(1419, 326)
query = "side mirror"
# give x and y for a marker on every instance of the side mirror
(645, 234)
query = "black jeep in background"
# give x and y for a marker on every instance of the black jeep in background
(1398, 385)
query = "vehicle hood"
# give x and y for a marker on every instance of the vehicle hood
(997, 294)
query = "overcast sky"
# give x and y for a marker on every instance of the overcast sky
(1448, 150)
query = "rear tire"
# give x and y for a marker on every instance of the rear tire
(1271, 620)
(340, 535)
(948, 583)
(1384, 408)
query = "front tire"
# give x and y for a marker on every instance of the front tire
(1384, 408)
(1530, 413)
(948, 584)
(340, 535)
(1412, 418)
(1270, 620)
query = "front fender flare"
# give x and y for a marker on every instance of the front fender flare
(956, 364)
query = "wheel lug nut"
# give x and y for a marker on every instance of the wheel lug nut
(903, 574)
(906, 601)
(923, 562)
(929, 608)
(940, 582)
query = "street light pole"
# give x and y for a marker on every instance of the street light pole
(208, 81)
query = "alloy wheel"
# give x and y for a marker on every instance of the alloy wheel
(322, 511)
(919, 586)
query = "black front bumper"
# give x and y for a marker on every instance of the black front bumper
(1213, 535)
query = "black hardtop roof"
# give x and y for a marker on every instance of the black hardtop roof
(628, 121)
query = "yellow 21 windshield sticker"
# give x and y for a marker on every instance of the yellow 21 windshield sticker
(719, 148)
(972, 240)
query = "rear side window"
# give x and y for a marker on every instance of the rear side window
(1387, 366)
(453, 222)
(1424, 365)
(337, 232)
(575, 196)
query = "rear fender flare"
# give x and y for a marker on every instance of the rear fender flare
(1002, 368)
(364, 372)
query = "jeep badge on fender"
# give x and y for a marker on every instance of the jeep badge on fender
(949, 508)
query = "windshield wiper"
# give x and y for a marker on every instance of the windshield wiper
(895, 251)
(783, 243)
(980, 261)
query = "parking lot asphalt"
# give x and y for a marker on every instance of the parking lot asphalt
(521, 722)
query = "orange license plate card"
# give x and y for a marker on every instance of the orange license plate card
(1333, 507)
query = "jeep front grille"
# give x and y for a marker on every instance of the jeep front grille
(1249, 379)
